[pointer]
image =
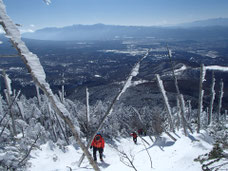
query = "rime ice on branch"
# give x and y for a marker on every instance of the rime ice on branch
(162, 89)
(39, 77)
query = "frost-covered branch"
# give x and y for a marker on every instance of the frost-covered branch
(133, 73)
(39, 77)
(220, 98)
(165, 98)
(201, 92)
(179, 95)
(8, 93)
(38, 95)
(212, 98)
(87, 109)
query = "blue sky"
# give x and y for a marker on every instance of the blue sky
(35, 14)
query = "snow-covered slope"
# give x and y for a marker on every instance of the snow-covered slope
(165, 153)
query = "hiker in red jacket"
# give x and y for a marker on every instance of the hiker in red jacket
(134, 135)
(98, 145)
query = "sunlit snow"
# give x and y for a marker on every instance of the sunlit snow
(165, 153)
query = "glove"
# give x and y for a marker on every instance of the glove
(91, 147)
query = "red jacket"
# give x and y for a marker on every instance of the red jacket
(98, 142)
(134, 135)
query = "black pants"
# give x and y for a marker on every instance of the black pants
(95, 149)
(135, 140)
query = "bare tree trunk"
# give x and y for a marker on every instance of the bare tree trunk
(21, 111)
(59, 123)
(8, 93)
(51, 124)
(178, 93)
(87, 112)
(220, 99)
(63, 94)
(174, 139)
(9, 107)
(185, 123)
(178, 114)
(200, 102)
(182, 105)
(189, 110)
(35, 68)
(4, 127)
(225, 115)
(38, 95)
(165, 98)
(1, 107)
(212, 98)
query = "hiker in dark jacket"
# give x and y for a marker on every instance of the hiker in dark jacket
(134, 135)
(98, 145)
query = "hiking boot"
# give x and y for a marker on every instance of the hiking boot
(102, 160)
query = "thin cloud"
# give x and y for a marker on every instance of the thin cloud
(26, 31)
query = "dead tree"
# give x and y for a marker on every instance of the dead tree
(165, 98)
(220, 99)
(39, 77)
(8, 93)
(127, 84)
(189, 110)
(225, 115)
(60, 125)
(38, 95)
(178, 94)
(87, 112)
(212, 99)
(201, 92)
(182, 106)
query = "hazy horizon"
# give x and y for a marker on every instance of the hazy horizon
(35, 14)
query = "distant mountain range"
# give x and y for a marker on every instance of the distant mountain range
(207, 23)
(211, 29)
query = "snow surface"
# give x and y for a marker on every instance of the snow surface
(127, 51)
(165, 153)
(179, 70)
(135, 83)
(217, 67)
(98, 76)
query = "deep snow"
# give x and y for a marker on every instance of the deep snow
(166, 155)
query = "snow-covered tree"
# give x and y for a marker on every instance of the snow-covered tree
(201, 92)
(212, 99)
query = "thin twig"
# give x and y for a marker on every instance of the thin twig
(30, 149)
